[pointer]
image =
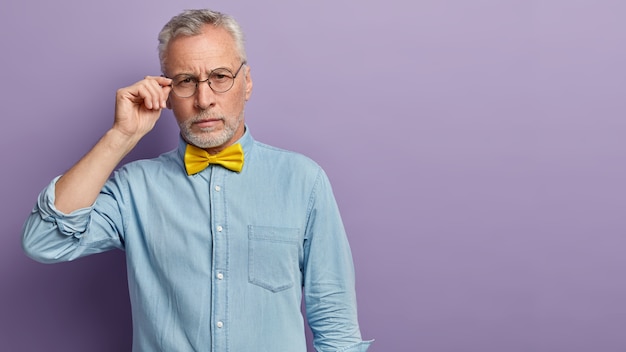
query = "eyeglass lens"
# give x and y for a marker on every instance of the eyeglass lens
(220, 80)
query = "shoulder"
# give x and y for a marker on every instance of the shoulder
(269, 162)
(166, 162)
(273, 154)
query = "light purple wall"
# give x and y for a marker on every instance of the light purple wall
(477, 151)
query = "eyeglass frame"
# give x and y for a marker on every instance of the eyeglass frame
(207, 80)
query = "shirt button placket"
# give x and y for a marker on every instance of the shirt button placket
(220, 261)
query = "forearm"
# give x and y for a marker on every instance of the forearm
(80, 185)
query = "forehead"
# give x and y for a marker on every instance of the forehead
(212, 48)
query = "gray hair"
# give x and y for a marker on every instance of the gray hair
(190, 23)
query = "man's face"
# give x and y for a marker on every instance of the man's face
(207, 119)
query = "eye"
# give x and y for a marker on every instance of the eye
(220, 76)
(185, 81)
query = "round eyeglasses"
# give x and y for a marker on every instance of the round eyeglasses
(220, 80)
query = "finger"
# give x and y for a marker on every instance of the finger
(166, 88)
(162, 80)
(152, 93)
(166, 92)
(165, 85)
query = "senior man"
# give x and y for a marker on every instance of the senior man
(224, 236)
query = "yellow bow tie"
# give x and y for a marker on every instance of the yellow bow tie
(197, 159)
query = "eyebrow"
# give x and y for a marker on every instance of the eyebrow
(185, 74)
(194, 75)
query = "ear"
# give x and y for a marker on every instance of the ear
(248, 83)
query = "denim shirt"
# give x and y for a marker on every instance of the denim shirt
(218, 261)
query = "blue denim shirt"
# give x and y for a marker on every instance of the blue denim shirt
(218, 261)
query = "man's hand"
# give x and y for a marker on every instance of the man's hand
(138, 107)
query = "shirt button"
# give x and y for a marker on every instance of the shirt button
(220, 324)
(219, 229)
(218, 188)
(220, 276)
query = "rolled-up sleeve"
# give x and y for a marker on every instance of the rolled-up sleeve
(51, 236)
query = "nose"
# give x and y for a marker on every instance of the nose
(205, 97)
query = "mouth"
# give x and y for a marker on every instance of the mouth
(207, 123)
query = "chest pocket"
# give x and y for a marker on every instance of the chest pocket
(274, 257)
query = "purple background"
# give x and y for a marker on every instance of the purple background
(476, 149)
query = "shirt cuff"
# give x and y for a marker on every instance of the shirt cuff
(357, 347)
(72, 224)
